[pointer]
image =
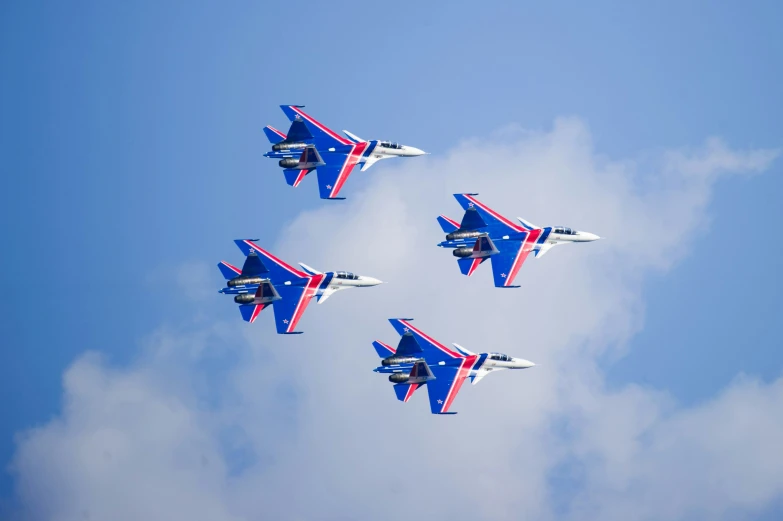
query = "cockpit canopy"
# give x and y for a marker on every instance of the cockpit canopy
(564, 231)
(389, 144)
(346, 275)
(500, 357)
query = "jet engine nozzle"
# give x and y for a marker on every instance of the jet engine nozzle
(462, 234)
(280, 147)
(244, 298)
(398, 378)
(398, 360)
(288, 162)
(462, 252)
(244, 281)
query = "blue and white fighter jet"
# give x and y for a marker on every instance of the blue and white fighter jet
(485, 234)
(419, 359)
(266, 280)
(310, 145)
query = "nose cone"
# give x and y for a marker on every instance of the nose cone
(521, 363)
(587, 236)
(413, 151)
(369, 281)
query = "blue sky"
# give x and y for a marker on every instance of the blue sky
(131, 143)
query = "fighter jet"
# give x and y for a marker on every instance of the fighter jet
(264, 279)
(309, 146)
(419, 360)
(484, 234)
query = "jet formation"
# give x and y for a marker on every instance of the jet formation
(310, 145)
(482, 234)
(485, 234)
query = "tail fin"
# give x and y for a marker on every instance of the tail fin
(382, 349)
(278, 269)
(472, 220)
(447, 225)
(273, 135)
(253, 266)
(229, 271)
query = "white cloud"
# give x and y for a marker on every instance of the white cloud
(301, 427)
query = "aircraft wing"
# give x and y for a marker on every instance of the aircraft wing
(323, 136)
(496, 224)
(447, 383)
(292, 304)
(432, 350)
(506, 263)
(332, 175)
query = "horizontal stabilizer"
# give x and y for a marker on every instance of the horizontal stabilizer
(468, 266)
(405, 391)
(253, 266)
(229, 271)
(382, 349)
(251, 311)
(294, 177)
(447, 225)
(273, 135)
